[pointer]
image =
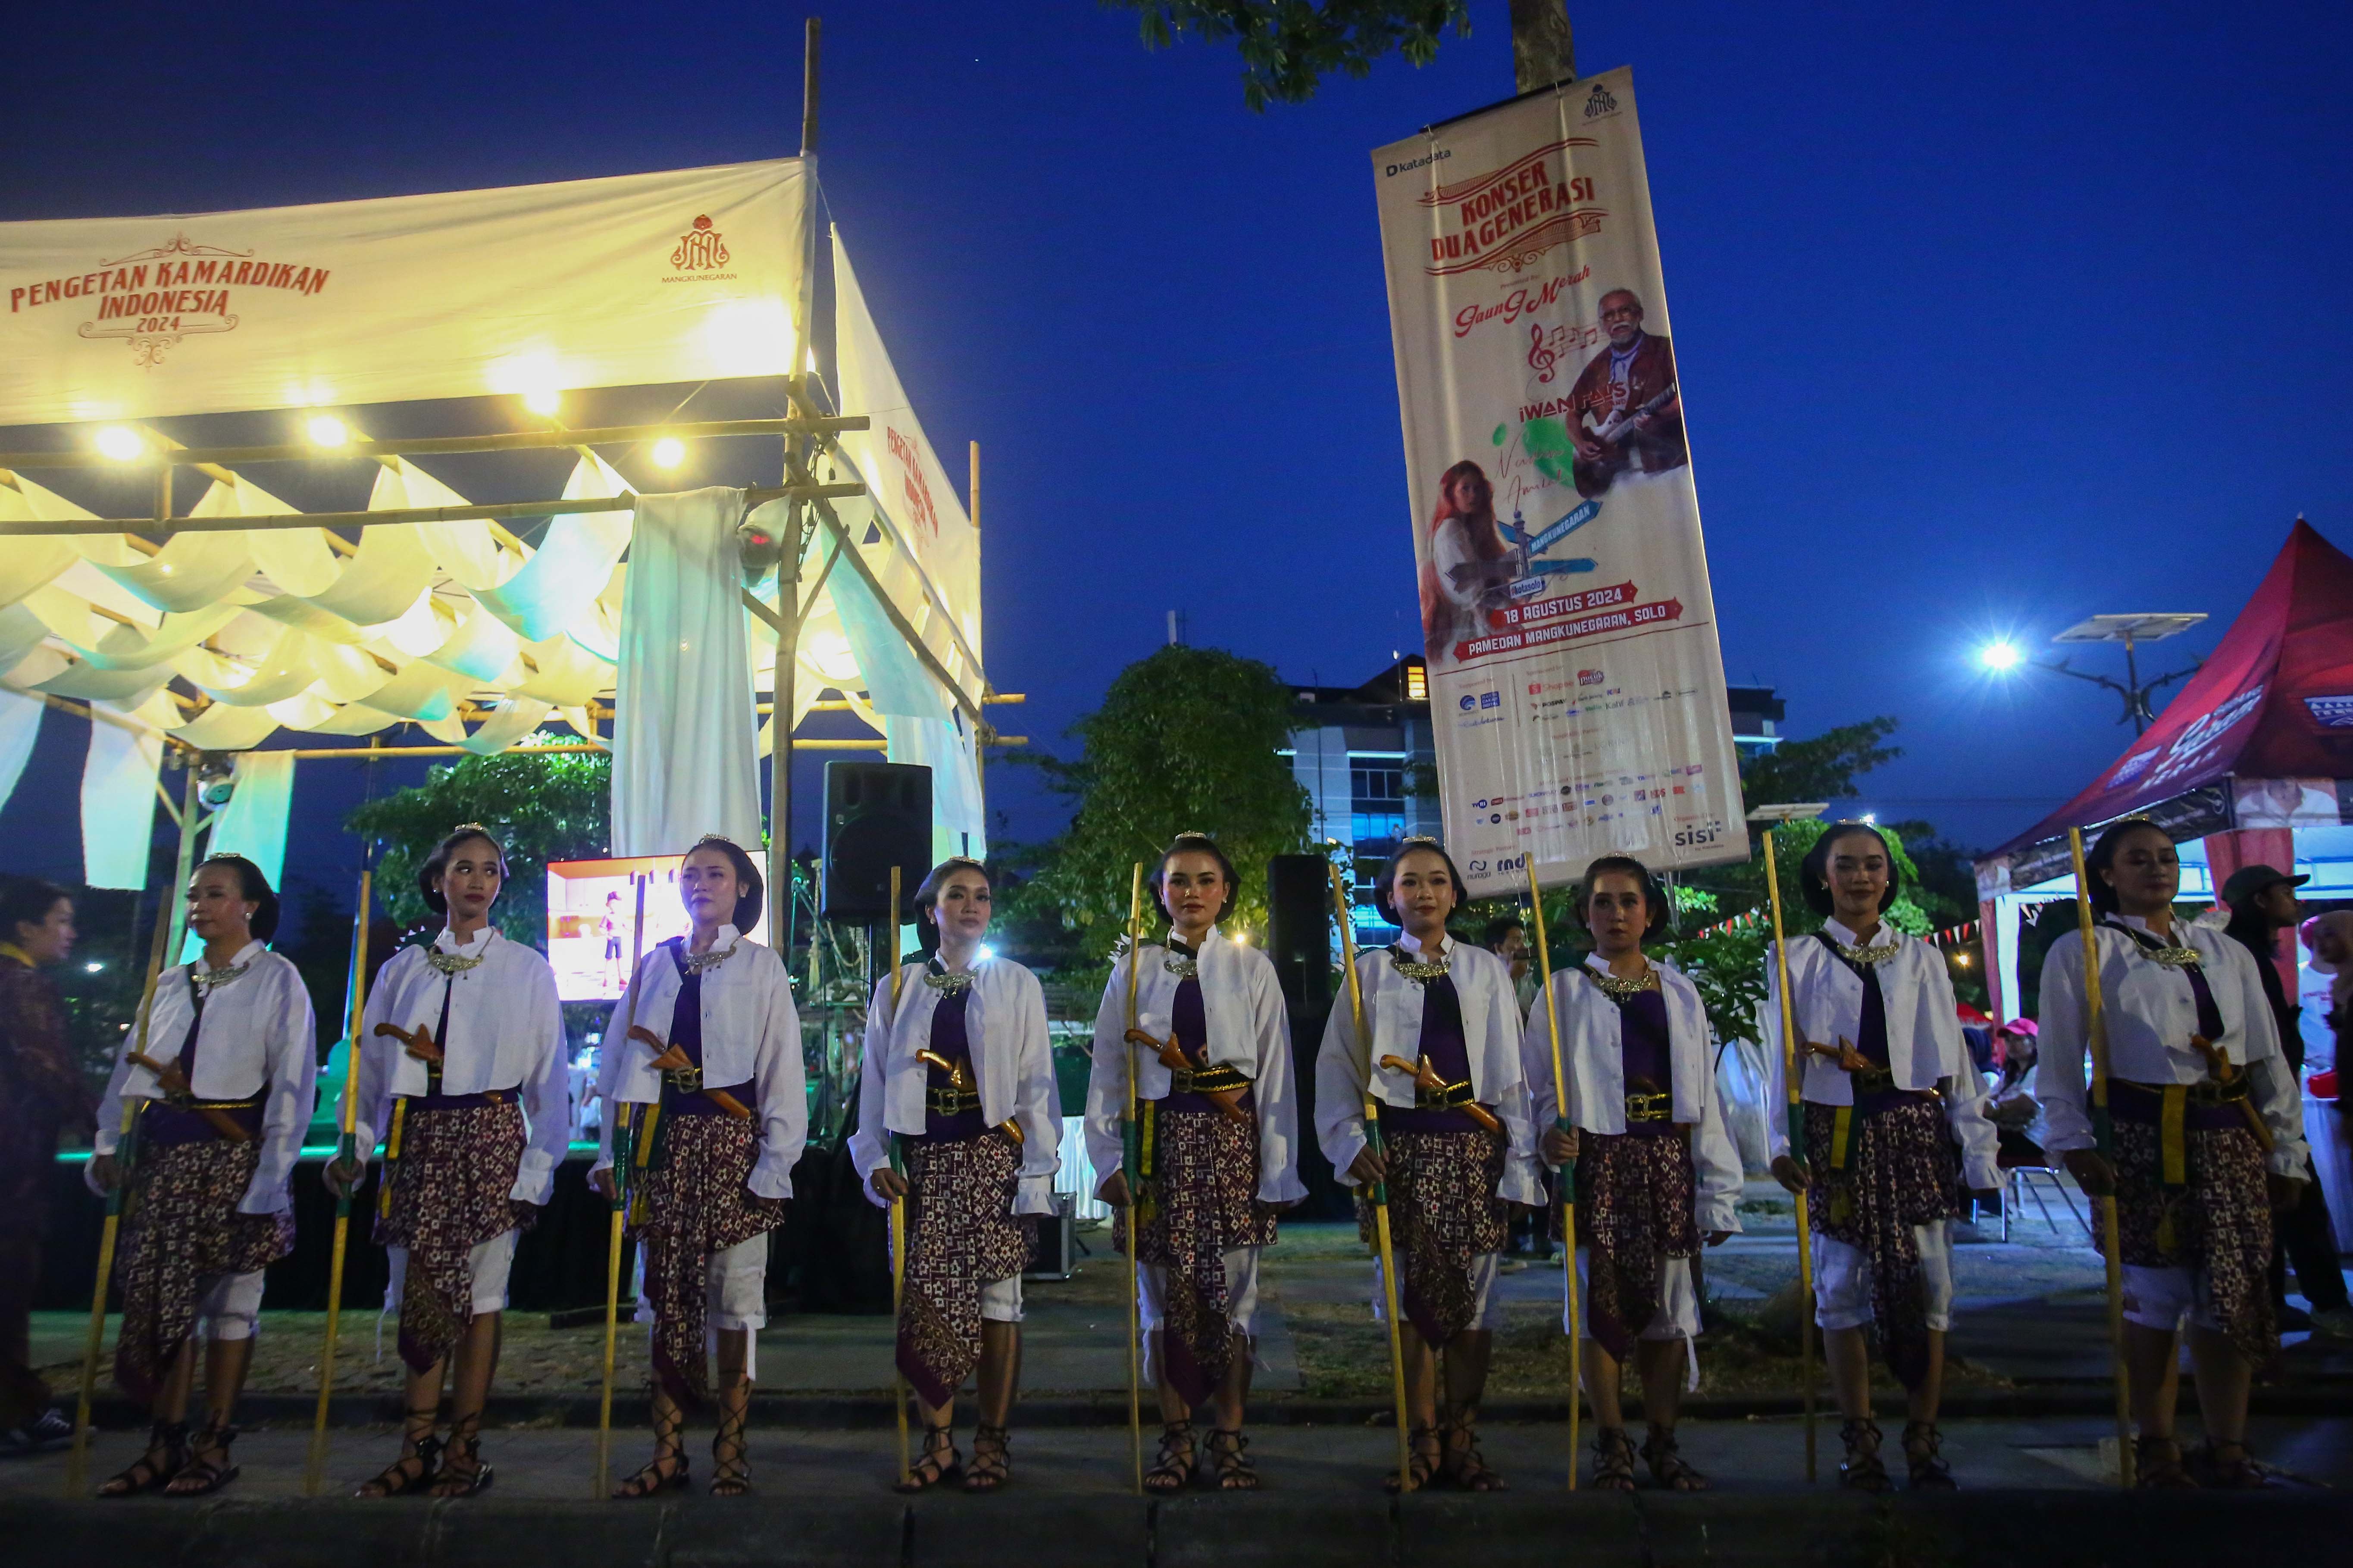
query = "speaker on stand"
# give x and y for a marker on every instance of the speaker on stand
(1298, 939)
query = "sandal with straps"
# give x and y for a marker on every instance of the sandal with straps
(1421, 1462)
(422, 1450)
(1862, 1470)
(1670, 1469)
(1613, 1461)
(1175, 1466)
(937, 1463)
(464, 1449)
(1228, 1462)
(1929, 1473)
(730, 1467)
(205, 1476)
(667, 1470)
(2237, 1472)
(992, 1459)
(1466, 1468)
(166, 1456)
(2158, 1467)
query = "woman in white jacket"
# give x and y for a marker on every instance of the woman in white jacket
(225, 1084)
(1444, 1061)
(462, 1070)
(703, 1059)
(1656, 1170)
(1218, 1145)
(958, 1114)
(1894, 1127)
(2208, 1140)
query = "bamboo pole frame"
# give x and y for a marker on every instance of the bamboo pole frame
(1568, 1178)
(77, 1461)
(554, 436)
(1379, 1190)
(264, 522)
(1796, 1114)
(889, 931)
(2095, 1041)
(346, 1156)
(1131, 1166)
(617, 1229)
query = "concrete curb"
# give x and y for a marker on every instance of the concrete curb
(861, 1410)
(1654, 1531)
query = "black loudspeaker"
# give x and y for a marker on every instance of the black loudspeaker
(1054, 1246)
(1299, 930)
(877, 815)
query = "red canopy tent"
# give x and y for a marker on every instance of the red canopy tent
(2258, 744)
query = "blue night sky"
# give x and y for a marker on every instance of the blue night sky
(1988, 317)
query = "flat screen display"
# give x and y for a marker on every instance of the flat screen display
(592, 917)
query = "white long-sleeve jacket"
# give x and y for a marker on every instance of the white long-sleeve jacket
(2151, 1013)
(751, 1034)
(1393, 1005)
(1593, 1061)
(1248, 1031)
(1012, 1060)
(1925, 1048)
(259, 1034)
(506, 1031)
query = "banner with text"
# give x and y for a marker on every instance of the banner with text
(1576, 685)
(681, 275)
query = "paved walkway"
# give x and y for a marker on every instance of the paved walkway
(1758, 1456)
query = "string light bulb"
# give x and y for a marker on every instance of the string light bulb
(120, 443)
(326, 430)
(668, 452)
(544, 402)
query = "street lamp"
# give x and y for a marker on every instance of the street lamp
(2131, 630)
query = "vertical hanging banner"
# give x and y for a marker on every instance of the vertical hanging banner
(1574, 681)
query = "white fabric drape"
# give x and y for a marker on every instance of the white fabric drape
(253, 824)
(945, 746)
(118, 804)
(685, 726)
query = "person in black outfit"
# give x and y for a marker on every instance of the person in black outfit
(2262, 901)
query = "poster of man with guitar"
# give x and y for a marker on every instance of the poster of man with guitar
(1628, 394)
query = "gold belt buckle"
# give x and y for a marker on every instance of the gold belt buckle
(686, 1081)
(1650, 1107)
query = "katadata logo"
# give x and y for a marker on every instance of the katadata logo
(699, 248)
(154, 298)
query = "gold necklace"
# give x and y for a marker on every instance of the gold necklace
(1619, 990)
(453, 962)
(710, 958)
(2175, 956)
(1421, 972)
(208, 980)
(1184, 966)
(947, 982)
(1871, 954)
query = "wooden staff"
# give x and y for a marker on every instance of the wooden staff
(2095, 1035)
(1562, 1125)
(1132, 1172)
(1796, 1112)
(615, 1235)
(78, 1462)
(1378, 1191)
(346, 1156)
(898, 1213)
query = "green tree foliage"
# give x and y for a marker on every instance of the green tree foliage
(1185, 740)
(1823, 767)
(541, 808)
(1287, 46)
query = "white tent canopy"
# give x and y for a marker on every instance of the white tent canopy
(220, 635)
